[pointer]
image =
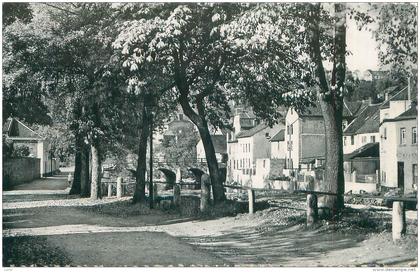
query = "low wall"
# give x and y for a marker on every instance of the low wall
(20, 170)
(355, 187)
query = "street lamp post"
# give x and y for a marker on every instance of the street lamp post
(149, 111)
(151, 200)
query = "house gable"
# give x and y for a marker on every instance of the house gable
(17, 129)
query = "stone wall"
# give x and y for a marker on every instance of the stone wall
(20, 170)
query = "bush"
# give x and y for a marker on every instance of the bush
(21, 151)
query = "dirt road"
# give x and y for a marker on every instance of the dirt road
(70, 231)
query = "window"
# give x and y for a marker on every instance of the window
(402, 136)
(291, 129)
(345, 141)
(263, 163)
(385, 133)
(289, 145)
(363, 139)
(352, 140)
(234, 164)
(414, 135)
(372, 139)
(415, 176)
(383, 177)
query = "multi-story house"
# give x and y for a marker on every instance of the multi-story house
(363, 129)
(254, 148)
(305, 135)
(242, 120)
(398, 145)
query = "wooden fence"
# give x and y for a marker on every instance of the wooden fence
(398, 210)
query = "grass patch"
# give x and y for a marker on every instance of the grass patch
(32, 251)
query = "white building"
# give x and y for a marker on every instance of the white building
(250, 154)
(39, 147)
(220, 147)
(362, 130)
(398, 146)
(278, 145)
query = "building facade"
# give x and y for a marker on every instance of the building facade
(398, 151)
(39, 147)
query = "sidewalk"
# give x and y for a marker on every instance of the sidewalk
(57, 182)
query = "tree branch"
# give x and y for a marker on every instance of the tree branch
(65, 10)
(315, 14)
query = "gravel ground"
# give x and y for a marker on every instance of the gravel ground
(88, 232)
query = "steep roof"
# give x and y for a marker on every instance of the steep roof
(279, 137)
(252, 131)
(395, 95)
(368, 150)
(354, 107)
(219, 143)
(367, 121)
(409, 114)
(17, 129)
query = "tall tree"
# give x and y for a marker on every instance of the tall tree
(178, 39)
(288, 46)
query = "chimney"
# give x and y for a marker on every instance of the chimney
(386, 96)
(370, 101)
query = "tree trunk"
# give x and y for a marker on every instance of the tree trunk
(331, 102)
(75, 186)
(212, 164)
(200, 122)
(85, 184)
(95, 158)
(334, 171)
(140, 193)
(96, 173)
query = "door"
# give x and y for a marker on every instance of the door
(401, 176)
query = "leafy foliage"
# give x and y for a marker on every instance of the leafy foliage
(20, 151)
(180, 149)
(60, 138)
(397, 34)
(16, 11)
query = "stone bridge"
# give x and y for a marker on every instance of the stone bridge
(178, 170)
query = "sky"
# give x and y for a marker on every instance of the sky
(362, 45)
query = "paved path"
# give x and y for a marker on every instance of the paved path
(45, 225)
(57, 182)
(42, 216)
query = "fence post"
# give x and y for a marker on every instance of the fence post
(69, 178)
(251, 200)
(155, 193)
(178, 176)
(177, 195)
(205, 192)
(311, 209)
(109, 189)
(119, 187)
(398, 220)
